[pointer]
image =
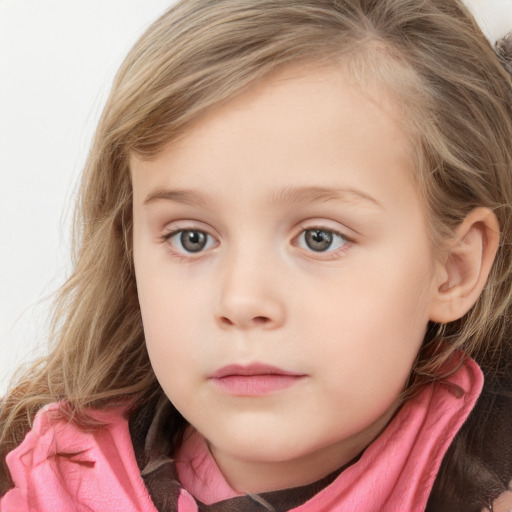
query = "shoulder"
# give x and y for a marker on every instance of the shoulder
(60, 466)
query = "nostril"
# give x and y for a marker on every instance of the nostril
(257, 320)
(226, 321)
(261, 320)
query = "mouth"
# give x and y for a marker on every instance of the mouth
(254, 380)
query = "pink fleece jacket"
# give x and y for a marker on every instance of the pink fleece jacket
(394, 474)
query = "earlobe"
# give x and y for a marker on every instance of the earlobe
(464, 270)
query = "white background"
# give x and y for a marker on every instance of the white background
(57, 61)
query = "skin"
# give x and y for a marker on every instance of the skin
(349, 319)
(503, 503)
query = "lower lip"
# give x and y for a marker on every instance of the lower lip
(256, 385)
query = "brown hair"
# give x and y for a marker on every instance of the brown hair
(201, 53)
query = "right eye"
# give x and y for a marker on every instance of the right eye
(187, 241)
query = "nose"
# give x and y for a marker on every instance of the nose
(250, 296)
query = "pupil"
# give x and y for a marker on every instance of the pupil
(318, 239)
(193, 241)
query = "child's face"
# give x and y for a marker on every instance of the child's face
(284, 229)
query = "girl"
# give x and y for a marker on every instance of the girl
(293, 269)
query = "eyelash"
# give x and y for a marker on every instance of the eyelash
(167, 238)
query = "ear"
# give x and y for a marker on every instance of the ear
(465, 266)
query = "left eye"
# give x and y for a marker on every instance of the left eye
(320, 240)
(191, 240)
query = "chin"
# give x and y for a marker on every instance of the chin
(264, 445)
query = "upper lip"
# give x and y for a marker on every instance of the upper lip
(251, 369)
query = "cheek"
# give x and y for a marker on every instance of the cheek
(172, 349)
(171, 321)
(167, 317)
(369, 326)
(164, 297)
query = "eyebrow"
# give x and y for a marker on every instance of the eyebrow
(184, 196)
(307, 195)
(288, 195)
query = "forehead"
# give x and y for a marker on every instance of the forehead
(289, 124)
